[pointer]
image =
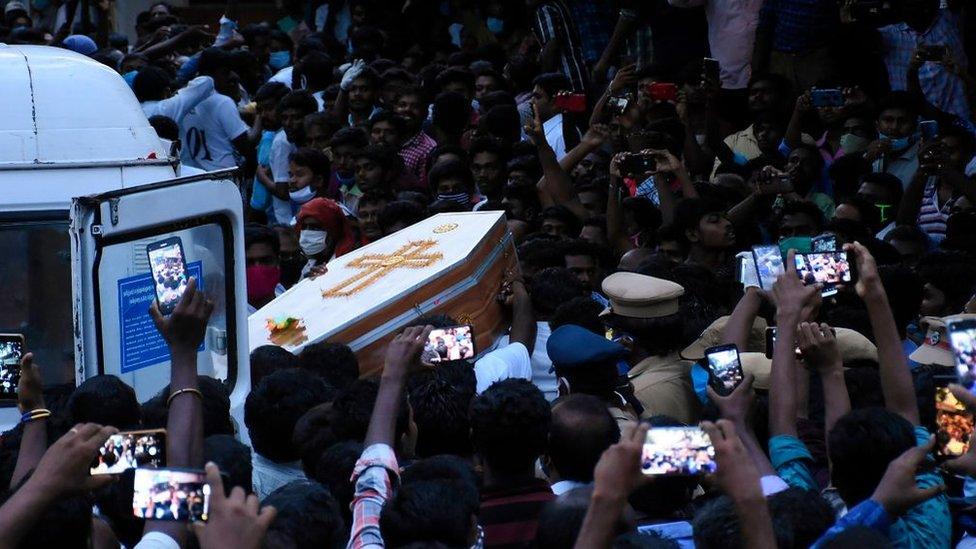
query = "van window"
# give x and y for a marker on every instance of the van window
(129, 344)
(35, 292)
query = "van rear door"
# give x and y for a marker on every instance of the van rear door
(113, 288)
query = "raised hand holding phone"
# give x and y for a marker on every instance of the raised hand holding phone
(64, 467)
(736, 405)
(793, 299)
(818, 347)
(184, 329)
(964, 465)
(235, 520)
(30, 391)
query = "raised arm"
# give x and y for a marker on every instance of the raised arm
(818, 344)
(555, 186)
(30, 402)
(896, 378)
(736, 408)
(616, 234)
(517, 298)
(739, 325)
(794, 303)
(183, 331)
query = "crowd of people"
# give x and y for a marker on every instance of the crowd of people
(636, 148)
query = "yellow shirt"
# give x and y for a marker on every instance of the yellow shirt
(663, 386)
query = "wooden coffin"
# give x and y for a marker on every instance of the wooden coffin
(450, 263)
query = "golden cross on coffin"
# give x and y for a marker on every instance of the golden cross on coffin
(411, 255)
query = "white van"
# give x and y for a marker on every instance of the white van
(85, 185)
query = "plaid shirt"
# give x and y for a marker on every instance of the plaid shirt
(799, 25)
(414, 153)
(942, 89)
(374, 476)
(553, 20)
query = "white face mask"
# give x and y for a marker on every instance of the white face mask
(302, 195)
(312, 242)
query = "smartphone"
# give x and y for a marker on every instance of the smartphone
(725, 367)
(747, 270)
(824, 243)
(929, 130)
(962, 339)
(710, 69)
(954, 423)
(170, 494)
(827, 97)
(771, 342)
(663, 91)
(447, 344)
(677, 451)
(571, 102)
(618, 104)
(168, 267)
(831, 269)
(638, 164)
(130, 450)
(769, 264)
(11, 351)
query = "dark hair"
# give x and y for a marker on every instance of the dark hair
(910, 233)
(275, 405)
(354, 137)
(316, 66)
(308, 517)
(312, 159)
(552, 287)
(333, 362)
(966, 140)
(565, 216)
(267, 359)
(582, 311)
(904, 289)
(510, 425)
(440, 411)
(299, 100)
(260, 234)
(521, 70)
(803, 207)
(399, 123)
(216, 407)
(450, 169)
(527, 194)
(582, 428)
(427, 511)
(952, 273)
(451, 113)
(799, 516)
(213, 60)
(502, 122)
(353, 407)
(269, 91)
(889, 182)
(552, 83)
(334, 468)
(689, 212)
(150, 83)
(561, 520)
(386, 156)
(453, 75)
(489, 145)
(106, 400)
(870, 214)
(400, 211)
(166, 127)
(371, 77)
(861, 445)
(900, 100)
(233, 457)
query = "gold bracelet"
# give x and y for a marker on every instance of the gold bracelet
(183, 391)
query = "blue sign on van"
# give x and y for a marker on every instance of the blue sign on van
(141, 345)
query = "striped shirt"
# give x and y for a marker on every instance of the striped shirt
(553, 21)
(510, 514)
(932, 217)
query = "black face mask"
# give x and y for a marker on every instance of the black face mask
(291, 269)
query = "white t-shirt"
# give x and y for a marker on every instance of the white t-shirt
(283, 76)
(176, 107)
(281, 149)
(510, 361)
(540, 365)
(553, 128)
(157, 540)
(208, 132)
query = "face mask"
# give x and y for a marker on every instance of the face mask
(302, 195)
(897, 144)
(312, 242)
(279, 59)
(851, 143)
(496, 25)
(458, 198)
(261, 282)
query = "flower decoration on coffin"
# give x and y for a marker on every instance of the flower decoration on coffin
(286, 331)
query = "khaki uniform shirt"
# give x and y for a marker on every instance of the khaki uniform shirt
(663, 385)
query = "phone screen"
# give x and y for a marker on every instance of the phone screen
(827, 268)
(769, 265)
(677, 451)
(955, 424)
(129, 450)
(747, 270)
(169, 272)
(447, 344)
(170, 494)
(962, 337)
(824, 243)
(11, 351)
(724, 364)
